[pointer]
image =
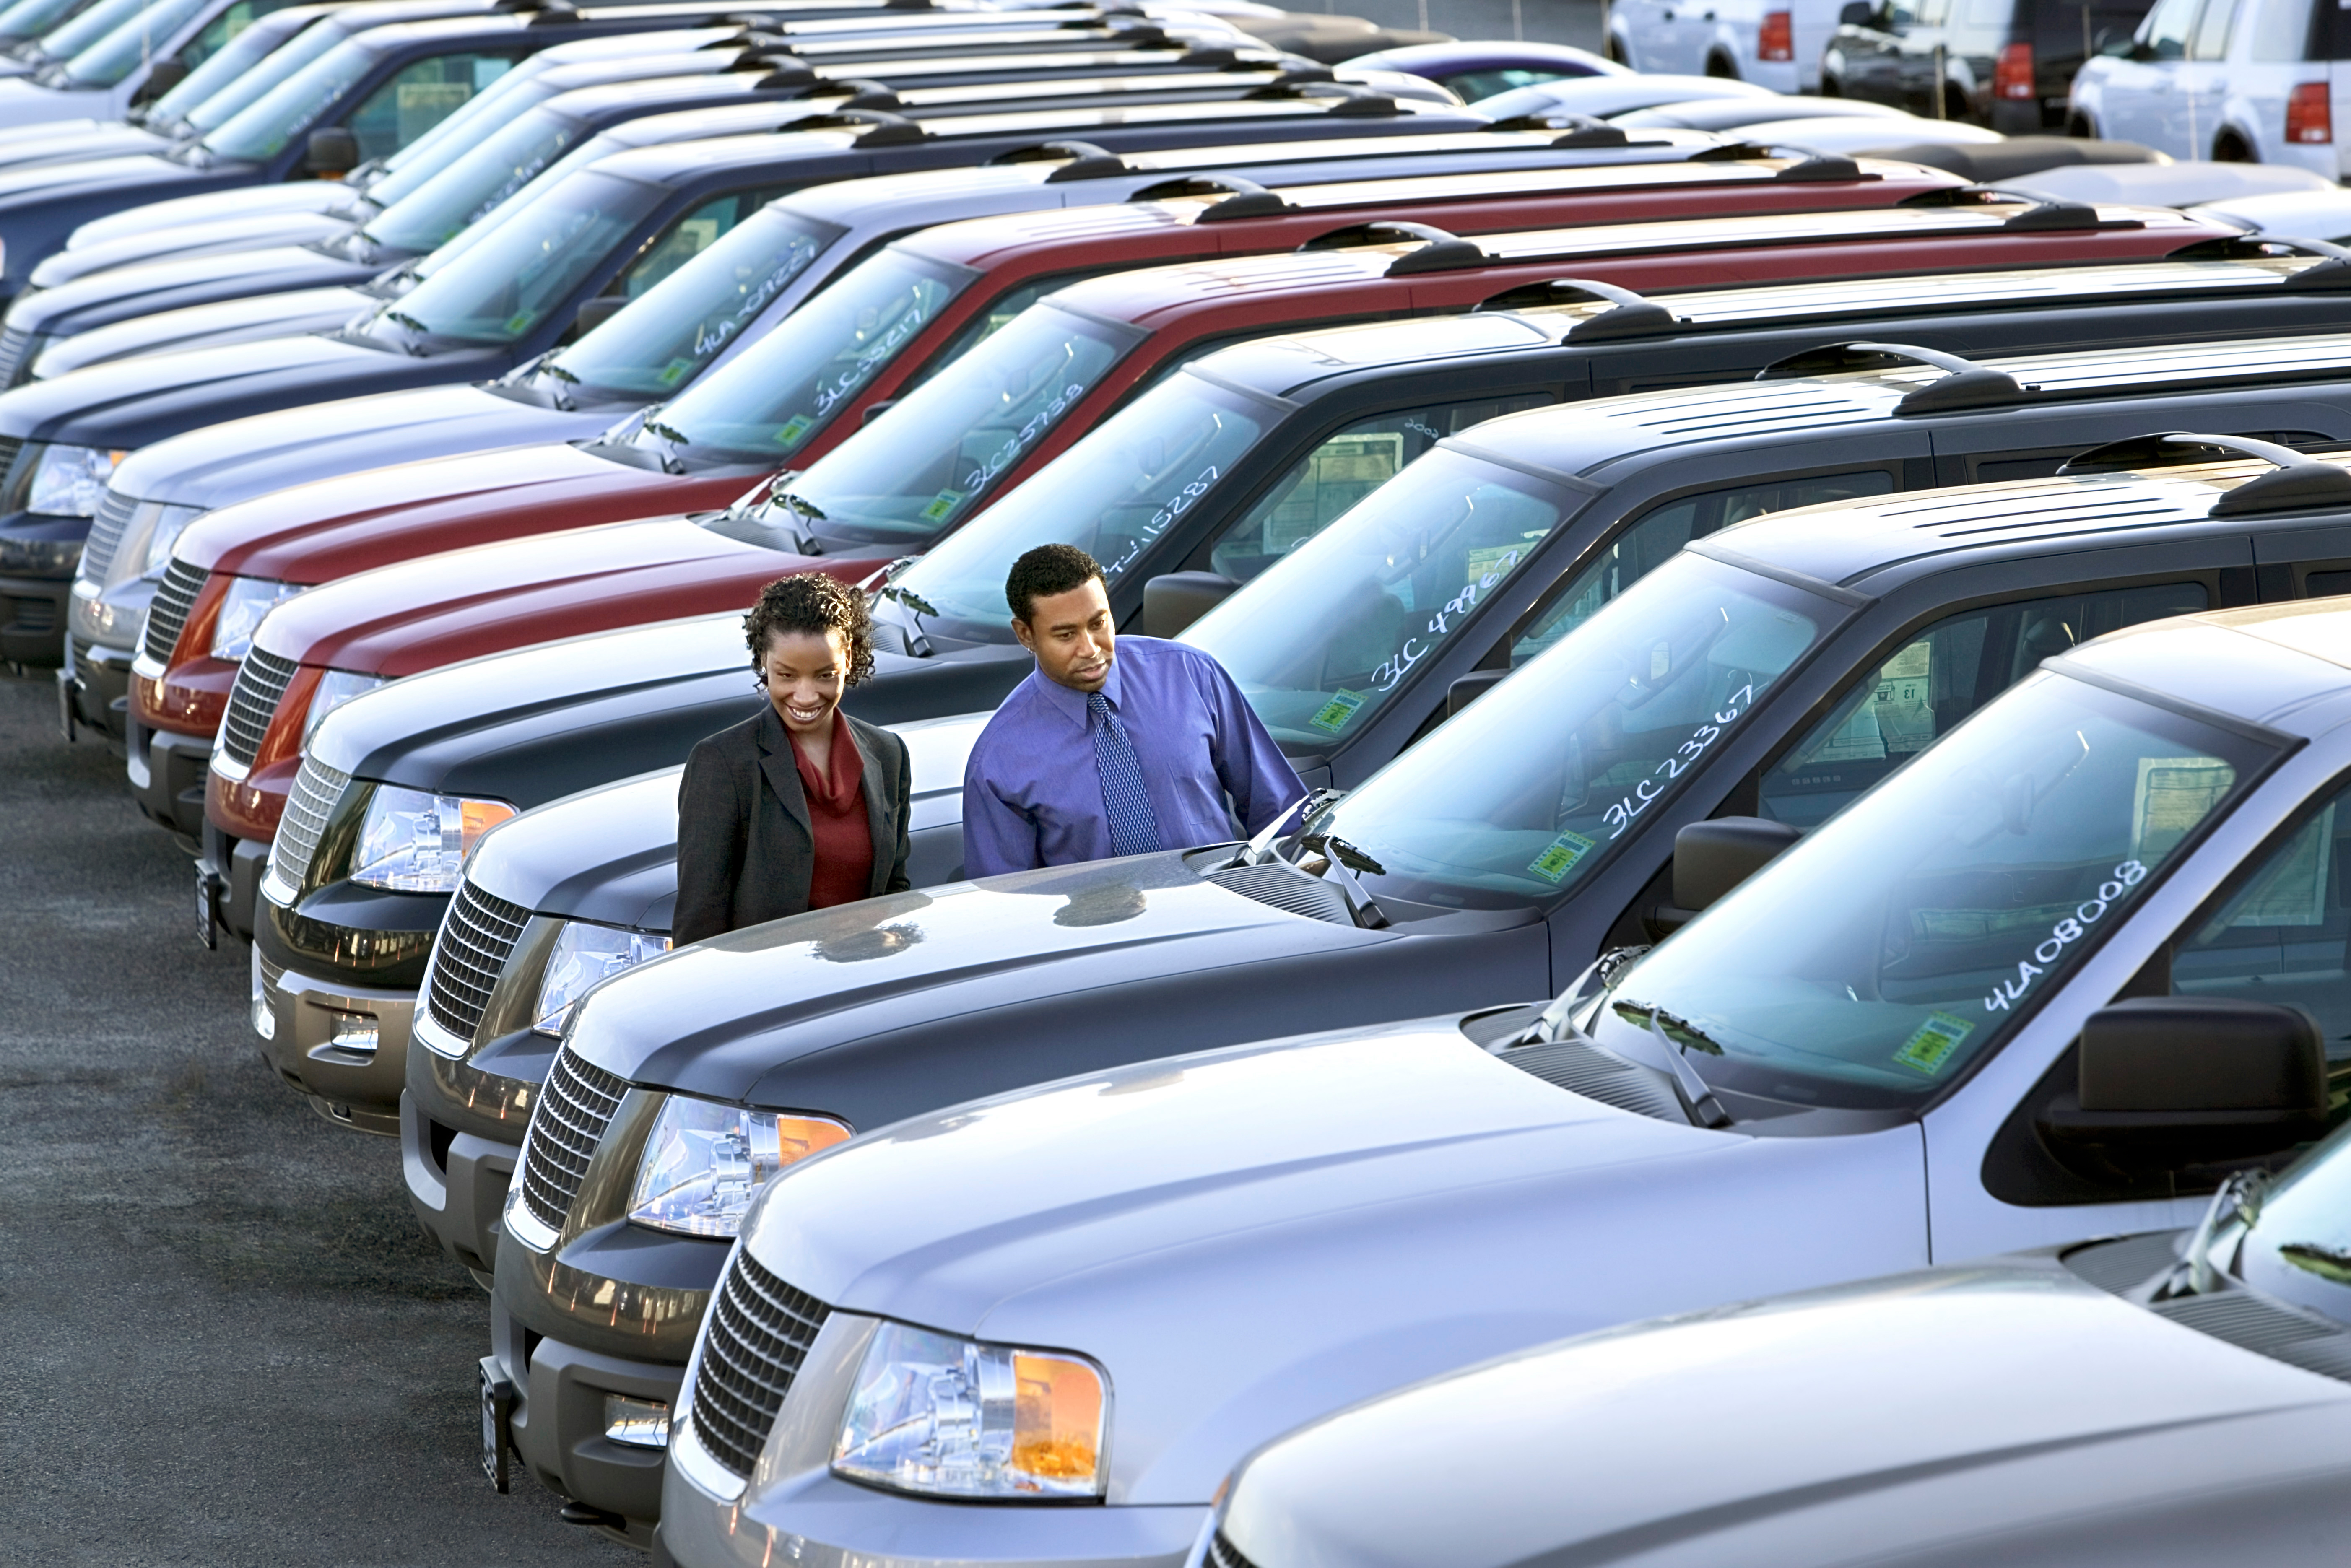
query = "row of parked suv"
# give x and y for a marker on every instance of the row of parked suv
(1818, 677)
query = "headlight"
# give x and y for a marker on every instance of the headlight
(248, 599)
(953, 1417)
(583, 955)
(705, 1161)
(411, 842)
(171, 522)
(49, 558)
(335, 688)
(70, 481)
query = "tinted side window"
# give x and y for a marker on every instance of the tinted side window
(2284, 935)
(2211, 39)
(1939, 677)
(1662, 530)
(1342, 471)
(420, 96)
(2166, 28)
(2279, 30)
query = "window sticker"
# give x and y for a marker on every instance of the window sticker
(1931, 1045)
(2174, 794)
(675, 371)
(1556, 861)
(792, 428)
(519, 322)
(1339, 711)
(942, 504)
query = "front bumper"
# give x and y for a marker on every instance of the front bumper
(461, 1130)
(33, 619)
(94, 688)
(316, 1039)
(558, 1423)
(814, 1519)
(167, 772)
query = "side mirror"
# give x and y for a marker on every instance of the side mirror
(2176, 1081)
(1469, 688)
(1174, 600)
(161, 77)
(1711, 858)
(1857, 14)
(598, 311)
(875, 411)
(333, 151)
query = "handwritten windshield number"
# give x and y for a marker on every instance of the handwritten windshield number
(1620, 816)
(2063, 935)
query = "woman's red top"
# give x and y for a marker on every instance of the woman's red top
(843, 872)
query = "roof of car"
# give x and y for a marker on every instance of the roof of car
(1871, 545)
(850, 202)
(1140, 296)
(1288, 364)
(2279, 665)
(981, 242)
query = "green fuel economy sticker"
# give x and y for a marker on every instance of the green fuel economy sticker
(789, 433)
(1931, 1046)
(946, 501)
(1560, 858)
(1339, 711)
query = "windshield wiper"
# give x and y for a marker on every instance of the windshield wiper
(2240, 1198)
(802, 540)
(402, 318)
(1346, 860)
(1305, 809)
(1704, 1108)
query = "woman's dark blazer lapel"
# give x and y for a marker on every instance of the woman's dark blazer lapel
(881, 815)
(781, 766)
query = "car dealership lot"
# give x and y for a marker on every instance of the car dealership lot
(186, 1251)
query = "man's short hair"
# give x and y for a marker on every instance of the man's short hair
(1045, 571)
(812, 603)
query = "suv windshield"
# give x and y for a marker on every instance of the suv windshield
(682, 322)
(262, 129)
(239, 48)
(1940, 906)
(87, 28)
(1518, 797)
(2298, 1247)
(912, 475)
(1377, 591)
(784, 390)
(1110, 494)
(421, 213)
(233, 92)
(111, 57)
(502, 288)
(31, 19)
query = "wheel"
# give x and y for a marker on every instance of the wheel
(1616, 51)
(1954, 104)
(1716, 66)
(1830, 87)
(2081, 128)
(2229, 148)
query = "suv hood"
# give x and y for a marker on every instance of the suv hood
(216, 326)
(1253, 1237)
(734, 1008)
(337, 508)
(210, 207)
(136, 401)
(1932, 1409)
(169, 242)
(70, 140)
(123, 292)
(398, 619)
(84, 176)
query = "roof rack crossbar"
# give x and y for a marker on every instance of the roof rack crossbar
(1628, 314)
(1240, 198)
(879, 128)
(1086, 160)
(1964, 384)
(2293, 481)
(2332, 271)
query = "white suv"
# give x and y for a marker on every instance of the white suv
(1774, 43)
(2232, 80)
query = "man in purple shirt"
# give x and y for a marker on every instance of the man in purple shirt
(1113, 746)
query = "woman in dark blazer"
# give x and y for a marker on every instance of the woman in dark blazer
(802, 807)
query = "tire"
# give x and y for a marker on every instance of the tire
(1722, 68)
(2081, 127)
(2229, 148)
(1616, 51)
(1830, 87)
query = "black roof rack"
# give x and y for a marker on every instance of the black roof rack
(1628, 314)
(1964, 384)
(2333, 272)
(2293, 480)
(864, 93)
(2043, 212)
(1438, 251)
(1086, 160)
(880, 128)
(1242, 198)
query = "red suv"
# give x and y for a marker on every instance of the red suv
(1009, 405)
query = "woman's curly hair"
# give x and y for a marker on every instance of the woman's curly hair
(812, 603)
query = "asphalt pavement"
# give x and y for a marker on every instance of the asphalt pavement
(226, 1341)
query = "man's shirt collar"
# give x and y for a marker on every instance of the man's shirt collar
(1072, 703)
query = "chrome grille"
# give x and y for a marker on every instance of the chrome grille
(261, 680)
(1223, 1554)
(15, 356)
(105, 533)
(168, 612)
(578, 1101)
(10, 445)
(761, 1330)
(477, 936)
(309, 802)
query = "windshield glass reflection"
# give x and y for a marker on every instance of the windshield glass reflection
(1938, 908)
(2299, 1246)
(423, 214)
(1521, 795)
